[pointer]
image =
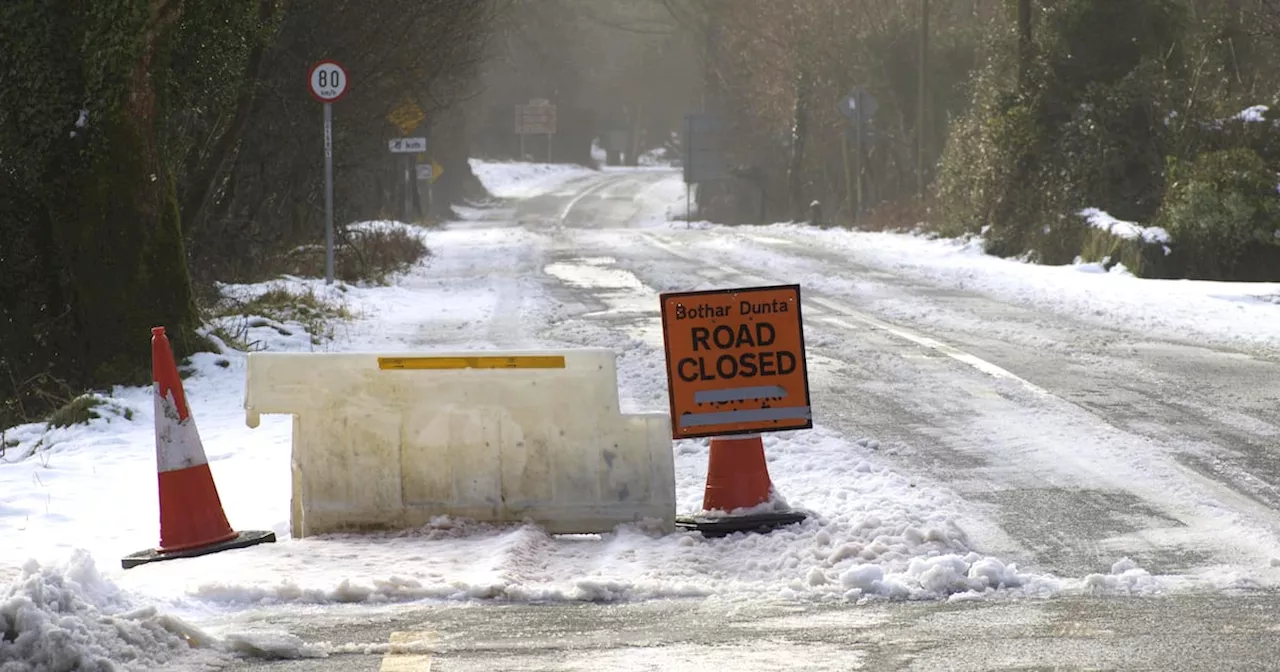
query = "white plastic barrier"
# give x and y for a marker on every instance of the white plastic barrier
(389, 441)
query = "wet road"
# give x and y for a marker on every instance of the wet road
(1075, 443)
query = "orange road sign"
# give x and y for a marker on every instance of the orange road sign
(735, 361)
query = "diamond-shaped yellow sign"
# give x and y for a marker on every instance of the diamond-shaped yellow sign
(430, 171)
(407, 116)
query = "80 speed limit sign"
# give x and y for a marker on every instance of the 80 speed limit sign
(328, 81)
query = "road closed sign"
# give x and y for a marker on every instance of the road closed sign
(735, 361)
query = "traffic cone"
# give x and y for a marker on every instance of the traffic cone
(192, 521)
(738, 478)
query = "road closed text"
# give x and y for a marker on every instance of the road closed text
(728, 352)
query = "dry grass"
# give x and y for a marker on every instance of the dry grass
(361, 256)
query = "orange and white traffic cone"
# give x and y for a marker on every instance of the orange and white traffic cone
(192, 521)
(738, 479)
(737, 476)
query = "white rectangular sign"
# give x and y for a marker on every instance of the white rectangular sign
(536, 119)
(407, 145)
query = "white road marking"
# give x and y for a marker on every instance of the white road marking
(924, 341)
(564, 214)
(404, 654)
(930, 343)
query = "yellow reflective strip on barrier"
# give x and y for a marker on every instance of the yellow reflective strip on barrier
(440, 363)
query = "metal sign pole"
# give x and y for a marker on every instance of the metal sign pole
(328, 194)
(409, 176)
(858, 157)
(328, 83)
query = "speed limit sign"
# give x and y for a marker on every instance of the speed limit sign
(328, 81)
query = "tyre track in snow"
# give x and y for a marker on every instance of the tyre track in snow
(1002, 440)
(1215, 407)
(1069, 489)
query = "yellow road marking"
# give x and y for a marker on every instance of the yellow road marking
(397, 660)
(439, 363)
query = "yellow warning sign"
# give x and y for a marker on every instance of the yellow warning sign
(477, 362)
(430, 171)
(407, 116)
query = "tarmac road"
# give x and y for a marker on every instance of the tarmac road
(1186, 633)
(1082, 441)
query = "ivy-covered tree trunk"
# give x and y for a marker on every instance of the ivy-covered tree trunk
(120, 238)
(1025, 42)
(89, 229)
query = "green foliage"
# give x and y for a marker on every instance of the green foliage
(78, 411)
(1110, 153)
(89, 166)
(1222, 208)
(1101, 41)
(982, 186)
(118, 116)
(1087, 127)
(201, 74)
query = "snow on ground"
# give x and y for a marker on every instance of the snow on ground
(666, 201)
(1236, 313)
(1099, 219)
(1253, 113)
(87, 495)
(524, 180)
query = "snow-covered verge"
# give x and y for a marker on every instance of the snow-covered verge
(1103, 221)
(523, 180)
(1230, 313)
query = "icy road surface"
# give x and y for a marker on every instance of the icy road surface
(1005, 455)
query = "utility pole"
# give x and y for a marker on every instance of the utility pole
(922, 99)
(1024, 42)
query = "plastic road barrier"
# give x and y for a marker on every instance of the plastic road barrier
(390, 441)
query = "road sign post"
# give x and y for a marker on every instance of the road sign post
(704, 160)
(859, 106)
(736, 369)
(538, 117)
(328, 84)
(409, 147)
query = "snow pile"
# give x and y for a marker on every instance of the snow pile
(1122, 229)
(665, 202)
(1101, 267)
(874, 534)
(658, 156)
(524, 180)
(1253, 114)
(383, 226)
(69, 617)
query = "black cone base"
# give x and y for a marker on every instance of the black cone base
(242, 540)
(719, 526)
